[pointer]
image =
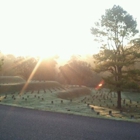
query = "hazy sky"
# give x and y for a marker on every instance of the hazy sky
(46, 27)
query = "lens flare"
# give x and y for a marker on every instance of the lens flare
(100, 85)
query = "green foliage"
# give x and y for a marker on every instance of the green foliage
(46, 69)
(79, 72)
(8, 64)
(113, 31)
(24, 66)
(1, 63)
(18, 87)
(116, 25)
(11, 79)
(74, 93)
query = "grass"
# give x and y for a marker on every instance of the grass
(51, 96)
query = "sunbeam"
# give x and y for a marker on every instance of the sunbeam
(30, 77)
(16, 64)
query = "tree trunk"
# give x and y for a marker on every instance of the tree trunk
(119, 99)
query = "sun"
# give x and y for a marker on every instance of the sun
(41, 52)
(52, 53)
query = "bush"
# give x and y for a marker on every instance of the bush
(11, 79)
(74, 93)
(28, 86)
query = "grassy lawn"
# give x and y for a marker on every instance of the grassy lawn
(51, 96)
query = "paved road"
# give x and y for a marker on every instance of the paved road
(25, 124)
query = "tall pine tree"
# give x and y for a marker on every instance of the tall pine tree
(113, 31)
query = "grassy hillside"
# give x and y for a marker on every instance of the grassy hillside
(11, 79)
(33, 85)
(52, 96)
(73, 92)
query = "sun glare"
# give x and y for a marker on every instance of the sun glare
(100, 85)
(48, 28)
(41, 53)
(48, 54)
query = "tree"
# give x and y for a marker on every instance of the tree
(1, 61)
(7, 68)
(46, 69)
(24, 66)
(79, 72)
(113, 31)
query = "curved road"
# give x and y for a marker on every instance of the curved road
(26, 124)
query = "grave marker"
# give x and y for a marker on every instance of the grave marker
(92, 108)
(110, 112)
(98, 113)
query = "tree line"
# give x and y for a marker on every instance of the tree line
(74, 71)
